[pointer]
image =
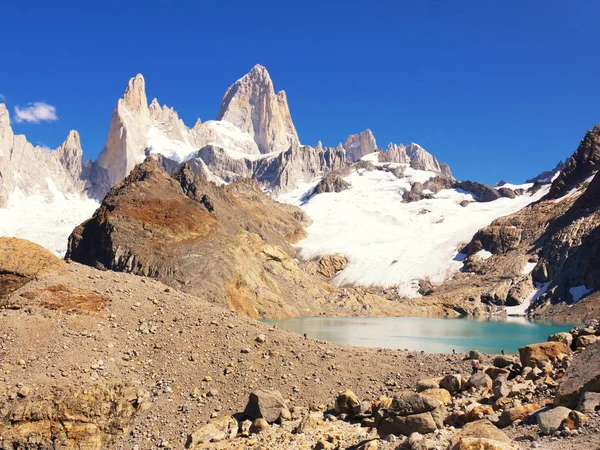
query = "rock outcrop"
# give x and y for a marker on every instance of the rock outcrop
(252, 105)
(22, 261)
(417, 157)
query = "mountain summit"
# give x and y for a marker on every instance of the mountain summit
(252, 105)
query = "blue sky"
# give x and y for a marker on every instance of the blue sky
(498, 90)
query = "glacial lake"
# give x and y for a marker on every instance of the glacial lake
(436, 335)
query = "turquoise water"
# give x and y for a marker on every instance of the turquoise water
(425, 333)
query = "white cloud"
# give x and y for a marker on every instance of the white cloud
(35, 113)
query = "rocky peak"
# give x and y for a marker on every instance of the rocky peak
(134, 97)
(72, 142)
(70, 155)
(126, 140)
(584, 162)
(252, 105)
(197, 124)
(359, 145)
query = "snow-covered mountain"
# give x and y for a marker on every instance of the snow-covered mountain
(388, 240)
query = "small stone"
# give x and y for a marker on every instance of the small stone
(261, 338)
(24, 392)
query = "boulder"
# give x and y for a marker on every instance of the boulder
(564, 337)
(551, 420)
(429, 383)
(585, 341)
(589, 402)
(511, 415)
(480, 435)
(479, 381)
(258, 426)
(496, 372)
(218, 430)
(503, 361)
(405, 425)
(533, 354)
(265, 404)
(346, 403)
(407, 403)
(439, 394)
(583, 375)
(452, 383)
(500, 387)
(476, 354)
(410, 412)
(575, 420)
(478, 412)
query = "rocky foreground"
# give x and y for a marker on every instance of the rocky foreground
(94, 360)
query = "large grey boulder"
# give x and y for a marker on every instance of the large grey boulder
(265, 404)
(551, 420)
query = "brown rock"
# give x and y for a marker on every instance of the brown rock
(439, 394)
(346, 402)
(218, 430)
(517, 413)
(329, 265)
(480, 435)
(533, 354)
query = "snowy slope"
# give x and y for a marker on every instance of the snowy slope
(389, 243)
(47, 223)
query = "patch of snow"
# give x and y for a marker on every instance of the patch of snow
(484, 254)
(577, 292)
(528, 268)
(371, 157)
(514, 187)
(388, 242)
(521, 310)
(177, 150)
(47, 223)
(299, 195)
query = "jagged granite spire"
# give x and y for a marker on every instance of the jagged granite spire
(126, 140)
(252, 105)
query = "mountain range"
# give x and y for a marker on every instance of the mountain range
(364, 222)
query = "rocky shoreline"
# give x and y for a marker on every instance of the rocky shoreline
(98, 359)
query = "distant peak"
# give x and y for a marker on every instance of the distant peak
(72, 142)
